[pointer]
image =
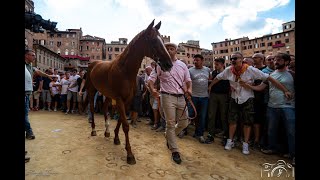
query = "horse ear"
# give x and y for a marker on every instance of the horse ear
(150, 25)
(158, 25)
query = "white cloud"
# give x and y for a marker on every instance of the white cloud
(182, 21)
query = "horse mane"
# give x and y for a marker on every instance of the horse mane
(127, 49)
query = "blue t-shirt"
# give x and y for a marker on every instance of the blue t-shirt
(277, 99)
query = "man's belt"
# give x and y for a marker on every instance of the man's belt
(175, 95)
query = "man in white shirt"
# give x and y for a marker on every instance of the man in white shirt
(241, 101)
(72, 91)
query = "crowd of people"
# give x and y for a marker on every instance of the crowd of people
(249, 103)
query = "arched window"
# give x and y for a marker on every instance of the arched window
(66, 52)
(72, 52)
(58, 51)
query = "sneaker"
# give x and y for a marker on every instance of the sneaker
(256, 146)
(245, 148)
(229, 145)
(209, 140)
(49, 110)
(150, 123)
(220, 135)
(89, 120)
(181, 134)
(30, 136)
(176, 157)
(286, 155)
(201, 139)
(55, 110)
(224, 141)
(154, 127)
(267, 151)
(67, 111)
(134, 124)
(160, 129)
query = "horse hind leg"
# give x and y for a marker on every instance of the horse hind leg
(125, 127)
(106, 120)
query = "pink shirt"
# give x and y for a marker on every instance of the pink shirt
(167, 83)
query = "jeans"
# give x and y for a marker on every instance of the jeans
(274, 116)
(94, 105)
(201, 104)
(27, 125)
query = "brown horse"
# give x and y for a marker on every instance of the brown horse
(117, 79)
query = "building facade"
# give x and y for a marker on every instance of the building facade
(208, 58)
(63, 42)
(186, 51)
(267, 44)
(75, 62)
(114, 48)
(29, 7)
(45, 58)
(93, 47)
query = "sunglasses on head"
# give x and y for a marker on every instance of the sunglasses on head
(234, 58)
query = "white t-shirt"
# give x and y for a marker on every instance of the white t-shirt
(59, 80)
(55, 89)
(65, 83)
(239, 93)
(27, 80)
(73, 80)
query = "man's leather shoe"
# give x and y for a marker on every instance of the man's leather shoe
(176, 157)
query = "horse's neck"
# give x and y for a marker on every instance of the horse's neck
(132, 58)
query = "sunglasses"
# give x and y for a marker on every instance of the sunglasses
(234, 58)
(270, 59)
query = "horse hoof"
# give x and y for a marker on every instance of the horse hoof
(106, 134)
(93, 133)
(131, 160)
(116, 141)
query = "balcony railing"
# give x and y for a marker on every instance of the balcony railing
(278, 45)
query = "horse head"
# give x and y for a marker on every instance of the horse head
(156, 49)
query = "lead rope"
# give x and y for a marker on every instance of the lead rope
(187, 100)
(185, 107)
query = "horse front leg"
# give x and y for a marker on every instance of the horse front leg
(116, 140)
(125, 127)
(106, 120)
(93, 125)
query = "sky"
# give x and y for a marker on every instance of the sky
(206, 21)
